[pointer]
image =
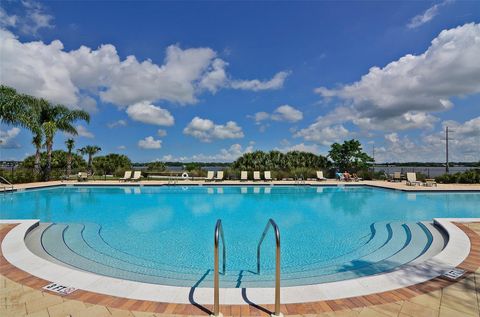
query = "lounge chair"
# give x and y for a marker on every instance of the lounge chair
(126, 177)
(219, 177)
(412, 179)
(256, 176)
(82, 176)
(320, 176)
(268, 176)
(210, 176)
(339, 176)
(244, 176)
(397, 177)
(136, 176)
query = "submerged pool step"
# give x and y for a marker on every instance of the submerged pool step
(391, 245)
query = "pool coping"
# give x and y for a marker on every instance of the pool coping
(455, 252)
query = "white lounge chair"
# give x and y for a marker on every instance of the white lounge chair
(136, 176)
(82, 176)
(397, 177)
(256, 176)
(244, 176)
(126, 177)
(219, 177)
(412, 179)
(320, 176)
(210, 176)
(267, 175)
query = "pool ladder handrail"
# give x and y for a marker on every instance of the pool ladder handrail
(271, 224)
(3, 180)
(216, 277)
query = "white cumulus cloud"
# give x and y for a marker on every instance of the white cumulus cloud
(206, 130)
(403, 94)
(149, 143)
(147, 113)
(282, 113)
(427, 16)
(161, 133)
(275, 83)
(7, 138)
(118, 123)
(84, 132)
(324, 135)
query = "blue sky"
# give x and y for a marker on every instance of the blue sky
(222, 78)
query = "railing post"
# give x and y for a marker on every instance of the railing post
(272, 223)
(216, 274)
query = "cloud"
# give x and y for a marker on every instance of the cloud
(426, 16)
(149, 143)
(118, 123)
(147, 113)
(33, 19)
(282, 113)
(206, 130)
(224, 155)
(312, 148)
(463, 146)
(324, 135)
(83, 132)
(121, 147)
(50, 71)
(403, 94)
(7, 138)
(161, 133)
(275, 83)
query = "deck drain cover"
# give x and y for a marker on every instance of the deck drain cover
(454, 274)
(59, 289)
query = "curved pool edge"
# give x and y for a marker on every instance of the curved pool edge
(455, 252)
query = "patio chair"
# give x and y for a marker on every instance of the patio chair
(219, 177)
(126, 177)
(256, 176)
(244, 176)
(412, 179)
(136, 176)
(210, 176)
(268, 176)
(397, 177)
(339, 176)
(82, 176)
(320, 176)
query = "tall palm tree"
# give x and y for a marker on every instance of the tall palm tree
(55, 118)
(90, 150)
(70, 143)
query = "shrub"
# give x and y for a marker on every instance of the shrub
(468, 177)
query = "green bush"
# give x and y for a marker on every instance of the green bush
(468, 177)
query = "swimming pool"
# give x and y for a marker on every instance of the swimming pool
(164, 234)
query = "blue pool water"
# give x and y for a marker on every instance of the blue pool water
(168, 231)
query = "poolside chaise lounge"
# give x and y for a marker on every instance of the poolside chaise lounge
(256, 176)
(82, 176)
(267, 175)
(136, 176)
(412, 179)
(126, 177)
(243, 175)
(397, 177)
(210, 176)
(219, 177)
(320, 176)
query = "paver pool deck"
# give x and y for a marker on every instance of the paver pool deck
(21, 295)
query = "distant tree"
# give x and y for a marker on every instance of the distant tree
(349, 156)
(59, 160)
(111, 163)
(156, 166)
(275, 160)
(90, 150)
(192, 166)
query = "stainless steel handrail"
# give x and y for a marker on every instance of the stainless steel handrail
(272, 224)
(4, 180)
(216, 278)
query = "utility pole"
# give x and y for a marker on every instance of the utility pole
(447, 166)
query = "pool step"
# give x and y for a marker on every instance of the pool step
(391, 245)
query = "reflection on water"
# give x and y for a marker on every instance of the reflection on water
(175, 224)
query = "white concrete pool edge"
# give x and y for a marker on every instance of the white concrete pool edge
(455, 252)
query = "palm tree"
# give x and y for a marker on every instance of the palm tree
(90, 150)
(70, 143)
(55, 118)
